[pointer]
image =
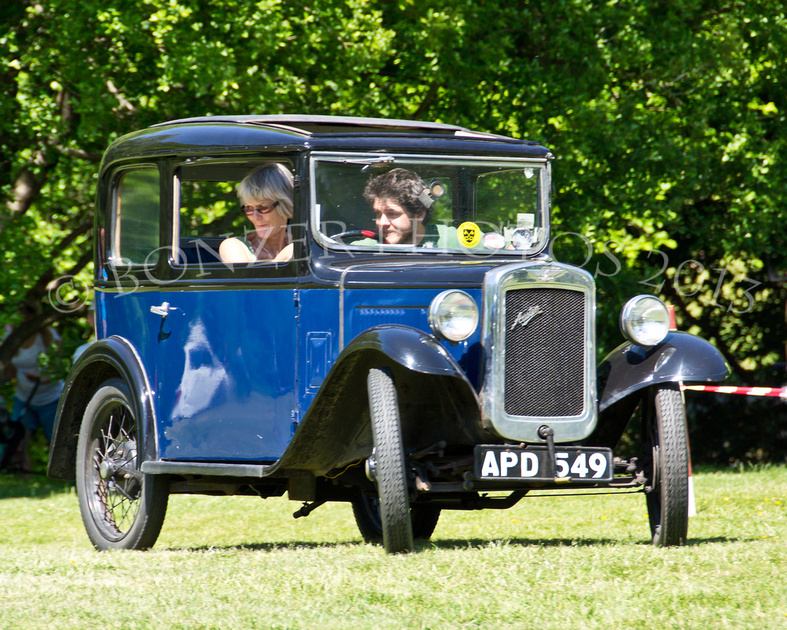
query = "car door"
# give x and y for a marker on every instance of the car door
(217, 341)
(226, 373)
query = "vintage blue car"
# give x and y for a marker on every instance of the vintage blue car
(359, 310)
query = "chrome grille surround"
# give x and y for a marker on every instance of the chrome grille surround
(539, 318)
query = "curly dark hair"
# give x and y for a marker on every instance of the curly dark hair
(403, 186)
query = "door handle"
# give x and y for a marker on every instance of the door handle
(162, 310)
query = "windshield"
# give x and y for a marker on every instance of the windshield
(476, 206)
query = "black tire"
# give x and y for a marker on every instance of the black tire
(391, 470)
(366, 510)
(668, 484)
(121, 507)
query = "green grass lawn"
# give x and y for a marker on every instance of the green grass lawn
(568, 562)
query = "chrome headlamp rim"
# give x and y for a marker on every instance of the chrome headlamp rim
(437, 315)
(645, 320)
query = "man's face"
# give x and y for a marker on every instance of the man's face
(394, 224)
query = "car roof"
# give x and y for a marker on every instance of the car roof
(212, 135)
(312, 125)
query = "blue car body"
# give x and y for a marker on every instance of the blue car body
(252, 378)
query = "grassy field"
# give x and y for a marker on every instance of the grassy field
(568, 562)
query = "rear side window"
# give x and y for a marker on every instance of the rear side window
(135, 231)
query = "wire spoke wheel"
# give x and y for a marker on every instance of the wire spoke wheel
(668, 477)
(391, 470)
(121, 507)
(116, 497)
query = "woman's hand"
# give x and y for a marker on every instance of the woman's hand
(232, 250)
(285, 254)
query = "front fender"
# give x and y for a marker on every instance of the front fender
(113, 357)
(681, 357)
(436, 401)
(409, 347)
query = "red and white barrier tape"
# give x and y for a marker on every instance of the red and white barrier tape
(776, 392)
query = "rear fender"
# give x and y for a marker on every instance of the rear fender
(113, 357)
(436, 401)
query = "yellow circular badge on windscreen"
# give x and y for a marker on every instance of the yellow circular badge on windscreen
(469, 234)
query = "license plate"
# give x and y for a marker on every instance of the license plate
(572, 464)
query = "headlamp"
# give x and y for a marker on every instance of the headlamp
(453, 315)
(645, 320)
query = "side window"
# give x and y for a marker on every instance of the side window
(208, 213)
(135, 231)
(209, 210)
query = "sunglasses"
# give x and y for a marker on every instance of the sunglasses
(250, 210)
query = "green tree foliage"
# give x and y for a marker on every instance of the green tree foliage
(79, 74)
(664, 117)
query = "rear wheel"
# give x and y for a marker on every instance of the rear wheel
(391, 471)
(122, 508)
(366, 510)
(668, 483)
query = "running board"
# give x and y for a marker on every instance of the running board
(212, 470)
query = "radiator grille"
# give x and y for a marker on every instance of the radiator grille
(544, 352)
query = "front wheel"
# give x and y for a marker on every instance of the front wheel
(391, 470)
(122, 508)
(668, 483)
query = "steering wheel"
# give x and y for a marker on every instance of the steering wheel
(355, 234)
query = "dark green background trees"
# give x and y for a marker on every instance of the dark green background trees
(665, 118)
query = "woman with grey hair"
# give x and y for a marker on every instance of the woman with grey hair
(266, 201)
